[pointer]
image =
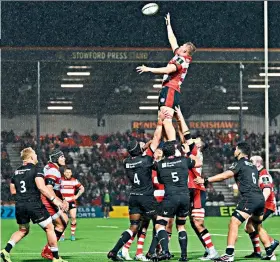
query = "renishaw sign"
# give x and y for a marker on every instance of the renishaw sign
(213, 124)
(216, 124)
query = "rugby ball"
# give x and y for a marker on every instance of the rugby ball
(150, 9)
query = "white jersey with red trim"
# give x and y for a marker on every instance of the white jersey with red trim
(196, 171)
(52, 171)
(68, 188)
(159, 188)
(266, 181)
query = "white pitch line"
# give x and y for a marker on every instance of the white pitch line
(220, 235)
(108, 226)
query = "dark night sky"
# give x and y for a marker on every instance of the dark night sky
(121, 24)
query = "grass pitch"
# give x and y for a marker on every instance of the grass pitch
(96, 236)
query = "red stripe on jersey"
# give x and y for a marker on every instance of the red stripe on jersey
(192, 175)
(52, 165)
(175, 79)
(52, 177)
(267, 182)
(170, 97)
(149, 152)
(194, 150)
(68, 187)
(156, 184)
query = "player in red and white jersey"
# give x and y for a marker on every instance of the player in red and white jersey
(71, 189)
(197, 191)
(266, 185)
(53, 179)
(159, 188)
(174, 74)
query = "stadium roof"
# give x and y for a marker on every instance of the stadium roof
(114, 87)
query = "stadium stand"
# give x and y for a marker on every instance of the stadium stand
(97, 161)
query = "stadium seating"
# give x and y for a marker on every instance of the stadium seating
(91, 157)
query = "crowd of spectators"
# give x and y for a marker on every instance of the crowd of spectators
(99, 167)
(6, 172)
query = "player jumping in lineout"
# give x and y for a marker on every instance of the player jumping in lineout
(174, 75)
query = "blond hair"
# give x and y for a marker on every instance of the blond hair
(192, 46)
(26, 152)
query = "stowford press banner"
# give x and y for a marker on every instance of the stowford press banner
(213, 124)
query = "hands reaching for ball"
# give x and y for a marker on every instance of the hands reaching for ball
(141, 69)
(167, 19)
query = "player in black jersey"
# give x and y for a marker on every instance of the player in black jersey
(27, 184)
(141, 201)
(172, 172)
(251, 202)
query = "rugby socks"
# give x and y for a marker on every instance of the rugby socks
(126, 235)
(10, 245)
(58, 234)
(169, 235)
(140, 243)
(198, 234)
(230, 250)
(255, 242)
(128, 243)
(73, 229)
(54, 252)
(268, 251)
(163, 239)
(206, 238)
(183, 241)
(153, 245)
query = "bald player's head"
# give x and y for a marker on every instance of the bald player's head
(257, 161)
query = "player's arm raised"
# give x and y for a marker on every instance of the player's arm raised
(186, 150)
(170, 68)
(158, 132)
(171, 36)
(184, 129)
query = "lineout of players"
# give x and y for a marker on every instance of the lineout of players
(174, 170)
(167, 186)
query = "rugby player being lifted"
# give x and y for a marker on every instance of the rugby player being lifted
(173, 76)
